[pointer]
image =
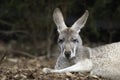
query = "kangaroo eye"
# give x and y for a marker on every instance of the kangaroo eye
(75, 40)
(60, 40)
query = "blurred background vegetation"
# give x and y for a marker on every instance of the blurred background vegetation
(27, 25)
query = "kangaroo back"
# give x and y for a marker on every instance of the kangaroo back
(110, 51)
(106, 61)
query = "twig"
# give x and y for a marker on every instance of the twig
(23, 53)
(15, 51)
(3, 57)
(17, 31)
(7, 23)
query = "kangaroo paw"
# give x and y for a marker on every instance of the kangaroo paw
(47, 70)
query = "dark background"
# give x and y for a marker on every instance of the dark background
(27, 25)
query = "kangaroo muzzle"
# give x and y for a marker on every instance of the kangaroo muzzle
(67, 54)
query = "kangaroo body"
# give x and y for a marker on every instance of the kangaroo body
(101, 61)
(105, 61)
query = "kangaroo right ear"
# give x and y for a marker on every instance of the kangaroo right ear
(80, 22)
(59, 20)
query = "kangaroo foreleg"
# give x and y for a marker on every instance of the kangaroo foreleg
(82, 66)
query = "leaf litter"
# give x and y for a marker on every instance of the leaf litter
(23, 68)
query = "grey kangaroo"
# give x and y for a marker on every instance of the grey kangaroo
(101, 61)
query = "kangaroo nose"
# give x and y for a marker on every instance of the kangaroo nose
(67, 54)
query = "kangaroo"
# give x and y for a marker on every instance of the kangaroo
(101, 61)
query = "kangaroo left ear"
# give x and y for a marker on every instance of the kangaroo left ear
(80, 22)
(59, 20)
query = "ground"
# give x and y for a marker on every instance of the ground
(22, 68)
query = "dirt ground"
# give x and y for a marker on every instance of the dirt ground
(31, 69)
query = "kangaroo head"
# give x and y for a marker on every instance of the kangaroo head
(69, 40)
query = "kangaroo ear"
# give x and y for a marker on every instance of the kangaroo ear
(59, 20)
(80, 22)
